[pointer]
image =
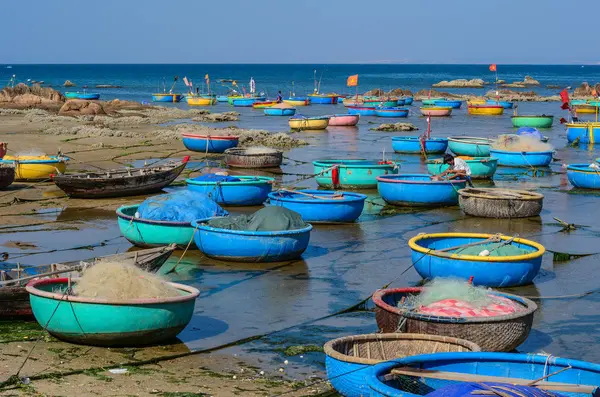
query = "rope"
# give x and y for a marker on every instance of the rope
(184, 251)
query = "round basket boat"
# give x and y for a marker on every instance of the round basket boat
(533, 121)
(253, 157)
(36, 168)
(349, 359)
(581, 176)
(582, 132)
(353, 173)
(150, 233)
(504, 104)
(481, 167)
(7, 175)
(470, 146)
(416, 145)
(250, 190)
(418, 190)
(448, 103)
(522, 159)
(438, 255)
(499, 333)
(95, 321)
(500, 203)
(208, 143)
(250, 246)
(435, 111)
(308, 123)
(321, 206)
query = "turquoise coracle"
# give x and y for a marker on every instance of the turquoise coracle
(93, 321)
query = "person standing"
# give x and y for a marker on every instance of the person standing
(279, 97)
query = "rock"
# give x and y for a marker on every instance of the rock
(520, 96)
(528, 81)
(424, 94)
(27, 100)
(396, 127)
(23, 96)
(461, 83)
(108, 86)
(400, 92)
(69, 83)
(513, 85)
(217, 117)
(375, 92)
(78, 107)
(585, 90)
(554, 86)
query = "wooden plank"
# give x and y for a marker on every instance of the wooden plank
(462, 377)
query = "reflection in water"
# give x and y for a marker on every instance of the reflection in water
(89, 215)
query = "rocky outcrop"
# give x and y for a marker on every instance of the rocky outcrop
(69, 83)
(530, 81)
(400, 92)
(217, 117)
(396, 127)
(23, 96)
(586, 91)
(519, 96)
(108, 86)
(461, 83)
(527, 82)
(553, 86)
(375, 92)
(424, 94)
(79, 107)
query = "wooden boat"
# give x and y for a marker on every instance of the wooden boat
(352, 173)
(418, 190)
(485, 110)
(297, 101)
(101, 322)
(209, 143)
(418, 144)
(249, 158)
(470, 146)
(500, 203)
(481, 167)
(585, 109)
(447, 103)
(504, 104)
(348, 359)
(7, 175)
(503, 374)
(321, 206)
(498, 333)
(120, 182)
(343, 120)
(201, 101)
(583, 176)
(361, 110)
(88, 96)
(522, 159)
(221, 98)
(432, 257)
(323, 99)
(391, 112)
(250, 246)
(245, 102)
(582, 132)
(166, 97)
(273, 111)
(71, 95)
(435, 111)
(308, 123)
(263, 105)
(14, 299)
(542, 121)
(250, 190)
(36, 168)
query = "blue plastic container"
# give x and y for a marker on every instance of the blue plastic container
(418, 190)
(584, 177)
(251, 190)
(210, 144)
(250, 246)
(522, 159)
(413, 145)
(323, 207)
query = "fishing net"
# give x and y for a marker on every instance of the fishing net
(530, 132)
(121, 281)
(268, 219)
(259, 150)
(216, 178)
(492, 249)
(448, 297)
(456, 389)
(182, 206)
(520, 143)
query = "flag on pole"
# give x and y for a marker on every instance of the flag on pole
(352, 81)
(493, 67)
(186, 82)
(252, 85)
(564, 96)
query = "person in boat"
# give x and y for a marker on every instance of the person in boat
(279, 97)
(458, 169)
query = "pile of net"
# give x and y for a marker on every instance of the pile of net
(259, 150)
(447, 297)
(121, 281)
(216, 178)
(182, 206)
(492, 388)
(268, 219)
(492, 249)
(520, 143)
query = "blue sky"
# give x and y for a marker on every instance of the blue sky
(301, 31)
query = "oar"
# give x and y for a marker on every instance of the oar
(18, 280)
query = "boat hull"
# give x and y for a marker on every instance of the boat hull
(391, 112)
(166, 97)
(435, 111)
(323, 99)
(344, 120)
(485, 110)
(263, 105)
(407, 101)
(353, 174)
(361, 111)
(7, 175)
(470, 146)
(448, 104)
(504, 104)
(418, 190)
(414, 145)
(251, 190)
(209, 144)
(325, 209)
(582, 132)
(279, 112)
(200, 101)
(297, 102)
(500, 203)
(244, 102)
(583, 177)
(305, 123)
(481, 167)
(532, 121)
(37, 170)
(522, 159)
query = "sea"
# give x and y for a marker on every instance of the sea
(138, 82)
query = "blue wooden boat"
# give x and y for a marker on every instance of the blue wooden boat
(324, 206)
(415, 374)
(361, 110)
(71, 95)
(353, 174)
(522, 159)
(349, 359)
(209, 144)
(582, 132)
(96, 321)
(489, 271)
(166, 97)
(417, 144)
(279, 111)
(470, 146)
(401, 102)
(504, 104)
(88, 96)
(222, 98)
(250, 246)
(408, 100)
(244, 102)
(447, 103)
(323, 99)
(418, 190)
(391, 112)
(481, 167)
(583, 176)
(251, 190)
(150, 233)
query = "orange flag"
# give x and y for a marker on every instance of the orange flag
(352, 81)
(493, 67)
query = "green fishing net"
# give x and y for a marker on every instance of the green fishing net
(268, 219)
(450, 288)
(495, 249)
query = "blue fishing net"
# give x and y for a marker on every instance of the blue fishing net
(530, 131)
(216, 178)
(505, 389)
(182, 206)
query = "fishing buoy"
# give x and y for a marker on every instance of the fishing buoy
(484, 253)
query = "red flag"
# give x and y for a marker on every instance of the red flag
(564, 96)
(352, 81)
(493, 67)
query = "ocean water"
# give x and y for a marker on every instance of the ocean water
(139, 81)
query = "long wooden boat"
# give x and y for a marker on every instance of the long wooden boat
(14, 299)
(120, 182)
